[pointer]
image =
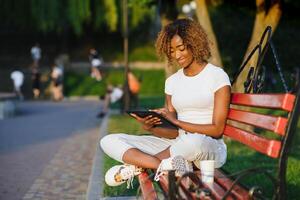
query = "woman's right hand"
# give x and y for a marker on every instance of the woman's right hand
(147, 122)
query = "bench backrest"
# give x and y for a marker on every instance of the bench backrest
(282, 124)
(276, 124)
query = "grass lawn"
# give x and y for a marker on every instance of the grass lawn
(81, 84)
(239, 157)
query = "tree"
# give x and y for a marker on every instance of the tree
(105, 13)
(268, 13)
(204, 20)
(168, 12)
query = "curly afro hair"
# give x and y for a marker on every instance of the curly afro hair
(193, 36)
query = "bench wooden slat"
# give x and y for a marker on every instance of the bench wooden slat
(278, 101)
(164, 183)
(239, 192)
(217, 191)
(272, 123)
(263, 145)
(147, 187)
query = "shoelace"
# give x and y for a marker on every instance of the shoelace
(158, 173)
(130, 182)
(128, 173)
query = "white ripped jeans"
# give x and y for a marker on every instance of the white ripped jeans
(193, 147)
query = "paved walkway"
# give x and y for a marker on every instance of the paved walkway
(47, 151)
(67, 175)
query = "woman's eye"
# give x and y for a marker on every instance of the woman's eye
(182, 48)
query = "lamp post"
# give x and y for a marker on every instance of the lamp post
(126, 64)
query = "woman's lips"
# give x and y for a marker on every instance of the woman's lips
(181, 61)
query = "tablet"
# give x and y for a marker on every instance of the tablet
(143, 113)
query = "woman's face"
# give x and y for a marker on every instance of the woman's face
(180, 52)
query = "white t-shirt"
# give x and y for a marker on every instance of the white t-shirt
(116, 94)
(36, 53)
(18, 78)
(193, 97)
(57, 72)
(96, 62)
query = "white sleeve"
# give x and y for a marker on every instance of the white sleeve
(221, 79)
(168, 86)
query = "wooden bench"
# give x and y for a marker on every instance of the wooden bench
(283, 125)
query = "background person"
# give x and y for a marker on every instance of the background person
(18, 80)
(134, 89)
(112, 95)
(95, 61)
(36, 82)
(197, 101)
(36, 54)
(57, 83)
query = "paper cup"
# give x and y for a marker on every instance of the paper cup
(207, 168)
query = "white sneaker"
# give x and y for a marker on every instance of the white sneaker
(119, 174)
(177, 163)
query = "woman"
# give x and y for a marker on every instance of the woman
(197, 101)
(57, 83)
(35, 78)
(96, 62)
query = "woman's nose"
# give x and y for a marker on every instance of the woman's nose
(177, 54)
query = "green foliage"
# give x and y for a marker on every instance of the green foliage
(44, 14)
(78, 12)
(106, 13)
(140, 11)
(55, 15)
(59, 15)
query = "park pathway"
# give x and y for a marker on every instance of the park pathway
(46, 152)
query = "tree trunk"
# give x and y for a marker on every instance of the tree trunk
(169, 69)
(263, 19)
(168, 13)
(204, 20)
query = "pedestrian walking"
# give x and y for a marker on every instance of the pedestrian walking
(57, 83)
(36, 82)
(95, 62)
(18, 80)
(112, 95)
(36, 54)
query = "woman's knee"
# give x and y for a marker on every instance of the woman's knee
(108, 141)
(199, 142)
(190, 146)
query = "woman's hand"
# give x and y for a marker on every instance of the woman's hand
(147, 122)
(166, 114)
